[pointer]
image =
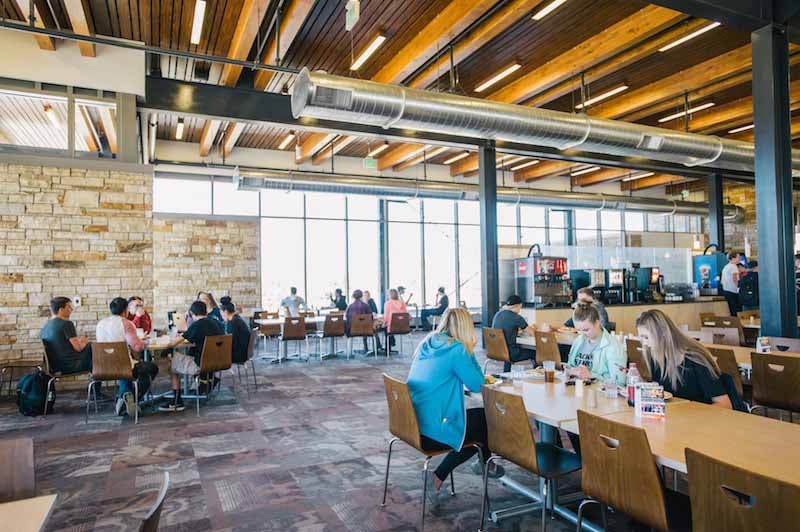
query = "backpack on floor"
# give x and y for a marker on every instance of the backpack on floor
(32, 394)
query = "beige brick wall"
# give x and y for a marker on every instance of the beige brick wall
(219, 256)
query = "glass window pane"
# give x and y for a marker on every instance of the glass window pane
(438, 210)
(533, 235)
(531, 216)
(185, 196)
(325, 250)
(404, 210)
(612, 239)
(611, 220)
(558, 218)
(404, 259)
(364, 257)
(282, 203)
(585, 219)
(634, 221)
(282, 260)
(558, 236)
(362, 207)
(324, 205)
(657, 222)
(469, 257)
(90, 133)
(507, 235)
(469, 212)
(507, 214)
(680, 223)
(586, 237)
(34, 121)
(229, 201)
(440, 267)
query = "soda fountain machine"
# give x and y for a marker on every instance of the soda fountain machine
(707, 270)
(540, 281)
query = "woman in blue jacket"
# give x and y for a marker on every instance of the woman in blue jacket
(444, 365)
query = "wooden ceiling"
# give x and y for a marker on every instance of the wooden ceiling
(608, 42)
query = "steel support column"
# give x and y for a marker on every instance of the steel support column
(716, 221)
(487, 195)
(774, 182)
(383, 249)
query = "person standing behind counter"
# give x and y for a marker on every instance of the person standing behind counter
(513, 324)
(729, 279)
(585, 296)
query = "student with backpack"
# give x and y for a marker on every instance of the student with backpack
(748, 287)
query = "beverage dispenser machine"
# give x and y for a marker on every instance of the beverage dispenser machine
(707, 269)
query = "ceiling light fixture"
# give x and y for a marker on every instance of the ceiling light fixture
(601, 97)
(497, 77)
(197, 25)
(740, 129)
(508, 160)
(524, 165)
(689, 37)
(586, 171)
(379, 149)
(684, 113)
(549, 8)
(639, 176)
(179, 130)
(286, 140)
(458, 157)
(376, 43)
(435, 152)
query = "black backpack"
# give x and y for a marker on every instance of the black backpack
(748, 291)
(32, 393)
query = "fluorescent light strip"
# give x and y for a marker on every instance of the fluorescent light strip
(286, 140)
(435, 152)
(50, 113)
(179, 130)
(586, 171)
(689, 37)
(458, 157)
(377, 150)
(376, 43)
(197, 25)
(743, 128)
(684, 113)
(509, 160)
(524, 165)
(601, 97)
(549, 8)
(497, 77)
(639, 176)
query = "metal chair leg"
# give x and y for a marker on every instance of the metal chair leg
(604, 515)
(136, 402)
(544, 506)
(485, 498)
(424, 491)
(239, 371)
(94, 395)
(386, 477)
(88, 399)
(197, 385)
(452, 485)
(580, 513)
(253, 368)
(50, 386)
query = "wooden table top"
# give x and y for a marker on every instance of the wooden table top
(756, 324)
(315, 320)
(27, 515)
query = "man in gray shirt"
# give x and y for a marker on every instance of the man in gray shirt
(292, 303)
(509, 320)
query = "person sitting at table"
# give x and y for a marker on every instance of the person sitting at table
(401, 291)
(394, 305)
(138, 315)
(212, 309)
(595, 353)
(66, 352)
(356, 307)
(371, 302)
(235, 325)
(292, 303)
(442, 302)
(585, 296)
(681, 364)
(189, 364)
(443, 365)
(118, 328)
(513, 324)
(338, 300)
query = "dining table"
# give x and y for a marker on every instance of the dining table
(27, 515)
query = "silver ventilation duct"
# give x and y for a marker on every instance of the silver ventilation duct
(323, 96)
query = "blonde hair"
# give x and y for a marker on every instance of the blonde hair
(456, 323)
(672, 347)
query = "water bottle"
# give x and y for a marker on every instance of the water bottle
(632, 380)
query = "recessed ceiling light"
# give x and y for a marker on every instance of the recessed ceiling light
(179, 130)
(497, 77)
(549, 8)
(197, 24)
(524, 165)
(743, 128)
(458, 157)
(684, 113)
(689, 37)
(586, 171)
(376, 43)
(639, 176)
(286, 140)
(601, 97)
(379, 149)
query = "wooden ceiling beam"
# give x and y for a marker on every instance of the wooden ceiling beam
(611, 41)
(467, 164)
(210, 130)
(332, 149)
(292, 17)
(109, 126)
(749, 135)
(232, 133)
(44, 42)
(601, 176)
(311, 143)
(542, 170)
(394, 156)
(80, 19)
(652, 181)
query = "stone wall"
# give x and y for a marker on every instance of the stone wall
(69, 232)
(219, 256)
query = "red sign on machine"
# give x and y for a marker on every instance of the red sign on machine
(522, 267)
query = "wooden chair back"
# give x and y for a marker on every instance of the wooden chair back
(707, 316)
(510, 432)
(110, 361)
(150, 522)
(636, 354)
(547, 348)
(723, 336)
(402, 416)
(266, 315)
(362, 325)
(294, 329)
(726, 322)
(217, 353)
(733, 499)
(745, 315)
(334, 326)
(776, 380)
(17, 474)
(619, 469)
(779, 344)
(336, 313)
(270, 330)
(726, 360)
(307, 314)
(704, 337)
(494, 342)
(401, 323)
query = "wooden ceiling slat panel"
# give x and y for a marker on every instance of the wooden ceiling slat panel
(124, 14)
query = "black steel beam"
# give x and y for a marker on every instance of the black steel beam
(487, 196)
(774, 182)
(227, 103)
(383, 249)
(716, 205)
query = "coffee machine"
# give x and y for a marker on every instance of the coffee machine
(633, 293)
(615, 287)
(594, 279)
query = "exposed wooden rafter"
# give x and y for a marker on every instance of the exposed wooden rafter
(109, 126)
(80, 18)
(394, 156)
(601, 176)
(332, 149)
(310, 144)
(292, 17)
(652, 181)
(45, 42)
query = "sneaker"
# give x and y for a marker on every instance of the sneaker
(120, 408)
(430, 493)
(203, 388)
(130, 404)
(495, 470)
(172, 407)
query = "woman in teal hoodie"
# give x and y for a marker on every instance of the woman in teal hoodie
(444, 365)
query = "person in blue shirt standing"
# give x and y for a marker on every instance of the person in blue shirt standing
(443, 366)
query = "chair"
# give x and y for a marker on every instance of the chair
(215, 356)
(494, 342)
(745, 315)
(269, 331)
(17, 473)
(726, 322)
(361, 326)
(737, 500)
(111, 361)
(547, 348)
(726, 360)
(251, 347)
(704, 337)
(331, 330)
(400, 326)
(723, 336)
(404, 427)
(294, 330)
(636, 354)
(707, 316)
(511, 438)
(619, 471)
(310, 325)
(779, 344)
(55, 376)
(11, 365)
(153, 516)
(776, 382)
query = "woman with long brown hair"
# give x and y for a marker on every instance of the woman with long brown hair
(681, 364)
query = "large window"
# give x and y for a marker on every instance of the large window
(326, 250)
(363, 256)
(182, 196)
(282, 259)
(405, 258)
(229, 201)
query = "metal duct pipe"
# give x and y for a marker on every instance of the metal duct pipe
(323, 96)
